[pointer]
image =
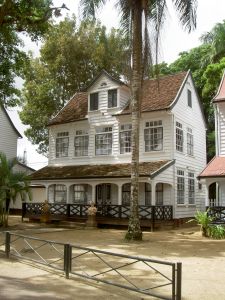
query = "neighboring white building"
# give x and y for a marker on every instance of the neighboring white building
(90, 146)
(8, 145)
(215, 170)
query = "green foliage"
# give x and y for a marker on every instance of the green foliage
(217, 232)
(71, 56)
(11, 184)
(31, 17)
(207, 64)
(204, 220)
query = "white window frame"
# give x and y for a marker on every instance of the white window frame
(190, 142)
(95, 109)
(154, 131)
(180, 186)
(112, 104)
(59, 193)
(189, 98)
(103, 140)
(81, 143)
(179, 137)
(79, 194)
(191, 188)
(62, 144)
(125, 138)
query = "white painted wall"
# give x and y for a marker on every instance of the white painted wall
(190, 117)
(8, 136)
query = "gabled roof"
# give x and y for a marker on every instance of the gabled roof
(10, 121)
(146, 169)
(220, 96)
(158, 94)
(215, 168)
(103, 72)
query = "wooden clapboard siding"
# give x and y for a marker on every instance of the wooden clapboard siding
(8, 135)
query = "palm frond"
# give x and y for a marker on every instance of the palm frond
(187, 13)
(89, 8)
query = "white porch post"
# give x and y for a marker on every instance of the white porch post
(93, 196)
(207, 195)
(119, 194)
(46, 192)
(67, 193)
(153, 185)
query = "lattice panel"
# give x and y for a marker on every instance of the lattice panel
(58, 209)
(75, 210)
(145, 212)
(34, 208)
(125, 211)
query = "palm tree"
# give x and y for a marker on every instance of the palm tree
(135, 13)
(216, 38)
(11, 184)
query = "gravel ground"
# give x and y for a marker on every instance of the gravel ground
(203, 262)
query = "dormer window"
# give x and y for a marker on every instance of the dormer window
(112, 98)
(93, 101)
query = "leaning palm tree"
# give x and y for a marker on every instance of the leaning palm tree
(12, 184)
(135, 13)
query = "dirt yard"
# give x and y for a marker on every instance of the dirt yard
(203, 262)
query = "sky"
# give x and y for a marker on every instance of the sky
(173, 41)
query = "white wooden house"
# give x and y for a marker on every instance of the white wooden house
(215, 170)
(90, 146)
(9, 136)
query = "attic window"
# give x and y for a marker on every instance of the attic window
(112, 98)
(189, 98)
(94, 101)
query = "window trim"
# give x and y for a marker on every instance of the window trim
(189, 98)
(151, 126)
(128, 130)
(182, 196)
(191, 183)
(94, 93)
(59, 150)
(54, 186)
(79, 134)
(112, 90)
(81, 191)
(190, 142)
(180, 134)
(102, 133)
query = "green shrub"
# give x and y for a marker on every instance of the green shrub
(217, 232)
(204, 220)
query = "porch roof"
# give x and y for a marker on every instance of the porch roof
(146, 169)
(215, 168)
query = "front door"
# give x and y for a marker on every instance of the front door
(103, 194)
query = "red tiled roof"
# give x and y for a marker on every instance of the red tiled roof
(215, 168)
(75, 110)
(99, 171)
(220, 96)
(158, 94)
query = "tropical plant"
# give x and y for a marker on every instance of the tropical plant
(217, 232)
(133, 15)
(204, 220)
(11, 184)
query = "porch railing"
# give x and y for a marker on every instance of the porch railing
(64, 211)
(218, 214)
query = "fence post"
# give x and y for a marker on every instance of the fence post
(153, 218)
(179, 280)
(67, 260)
(23, 210)
(7, 244)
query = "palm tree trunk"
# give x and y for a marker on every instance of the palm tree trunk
(134, 229)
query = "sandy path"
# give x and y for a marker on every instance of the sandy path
(203, 263)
